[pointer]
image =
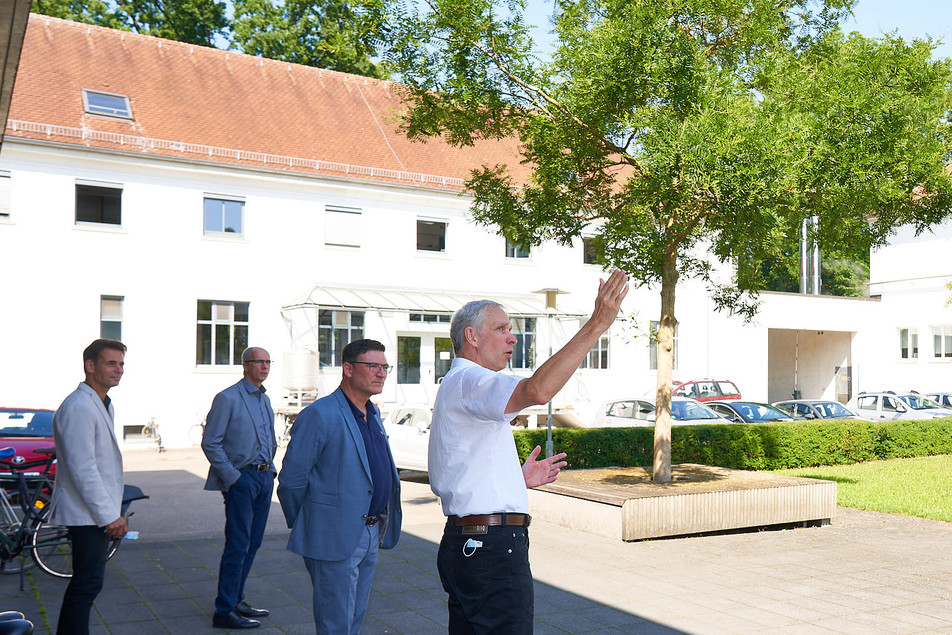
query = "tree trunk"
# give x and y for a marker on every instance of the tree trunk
(661, 469)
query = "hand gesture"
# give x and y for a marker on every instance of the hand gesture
(611, 292)
(538, 473)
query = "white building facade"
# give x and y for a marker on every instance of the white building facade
(188, 257)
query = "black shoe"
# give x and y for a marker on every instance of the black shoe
(233, 620)
(246, 610)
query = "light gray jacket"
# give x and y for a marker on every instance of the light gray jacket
(88, 488)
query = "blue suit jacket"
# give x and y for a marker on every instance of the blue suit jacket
(325, 485)
(230, 441)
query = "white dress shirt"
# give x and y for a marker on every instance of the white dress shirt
(473, 464)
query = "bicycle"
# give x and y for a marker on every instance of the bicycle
(197, 432)
(49, 545)
(151, 430)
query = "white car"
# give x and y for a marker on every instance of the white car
(641, 412)
(890, 405)
(944, 399)
(408, 429)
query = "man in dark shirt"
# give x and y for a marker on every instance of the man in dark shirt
(340, 491)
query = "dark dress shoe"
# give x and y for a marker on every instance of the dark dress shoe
(233, 620)
(246, 610)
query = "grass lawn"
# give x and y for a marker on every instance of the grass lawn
(913, 487)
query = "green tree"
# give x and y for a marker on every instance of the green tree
(199, 22)
(332, 34)
(675, 129)
(324, 33)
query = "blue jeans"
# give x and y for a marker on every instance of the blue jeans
(247, 504)
(342, 588)
(90, 544)
(490, 585)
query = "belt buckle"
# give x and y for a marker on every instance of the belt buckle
(475, 529)
(370, 521)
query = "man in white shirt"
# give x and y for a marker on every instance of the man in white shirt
(474, 468)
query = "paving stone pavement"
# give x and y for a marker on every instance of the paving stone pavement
(865, 573)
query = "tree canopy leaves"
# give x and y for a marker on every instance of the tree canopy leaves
(680, 129)
(333, 34)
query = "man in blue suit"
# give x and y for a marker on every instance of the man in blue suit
(239, 443)
(340, 491)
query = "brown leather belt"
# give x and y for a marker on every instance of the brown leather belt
(492, 520)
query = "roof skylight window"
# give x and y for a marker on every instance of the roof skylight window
(106, 104)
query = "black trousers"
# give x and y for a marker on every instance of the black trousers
(90, 544)
(489, 584)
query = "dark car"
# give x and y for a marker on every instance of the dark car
(705, 390)
(817, 409)
(748, 411)
(25, 430)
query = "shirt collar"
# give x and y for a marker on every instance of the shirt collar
(251, 388)
(371, 408)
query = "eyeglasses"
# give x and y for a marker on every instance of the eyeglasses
(264, 362)
(376, 368)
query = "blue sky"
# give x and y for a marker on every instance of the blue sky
(909, 18)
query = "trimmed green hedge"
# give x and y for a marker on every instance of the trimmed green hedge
(750, 446)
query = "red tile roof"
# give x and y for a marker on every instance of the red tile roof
(207, 104)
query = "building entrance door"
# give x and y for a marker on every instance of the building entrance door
(422, 362)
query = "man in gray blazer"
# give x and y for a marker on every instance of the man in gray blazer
(240, 444)
(340, 491)
(88, 494)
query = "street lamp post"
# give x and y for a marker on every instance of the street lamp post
(550, 299)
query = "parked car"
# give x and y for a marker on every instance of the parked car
(748, 411)
(816, 409)
(635, 412)
(890, 405)
(944, 399)
(625, 413)
(707, 390)
(25, 430)
(408, 428)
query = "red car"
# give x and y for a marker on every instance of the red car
(706, 390)
(25, 430)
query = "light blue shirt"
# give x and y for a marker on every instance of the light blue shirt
(264, 429)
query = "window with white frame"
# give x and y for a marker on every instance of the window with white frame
(98, 202)
(223, 215)
(431, 235)
(515, 250)
(337, 329)
(110, 317)
(942, 340)
(598, 356)
(653, 346)
(908, 344)
(523, 351)
(106, 104)
(341, 226)
(5, 194)
(222, 332)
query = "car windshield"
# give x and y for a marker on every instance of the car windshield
(687, 410)
(833, 410)
(26, 423)
(918, 402)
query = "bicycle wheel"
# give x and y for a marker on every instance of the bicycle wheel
(195, 434)
(20, 562)
(52, 550)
